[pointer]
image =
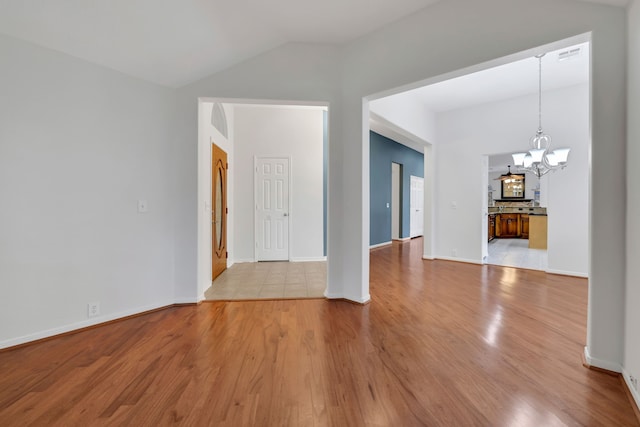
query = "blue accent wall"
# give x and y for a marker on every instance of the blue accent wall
(384, 151)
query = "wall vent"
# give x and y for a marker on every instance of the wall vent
(568, 54)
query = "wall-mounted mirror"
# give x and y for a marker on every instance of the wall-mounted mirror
(513, 186)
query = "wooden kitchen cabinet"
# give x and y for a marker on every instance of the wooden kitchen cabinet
(516, 226)
(492, 227)
(524, 226)
(538, 234)
(507, 225)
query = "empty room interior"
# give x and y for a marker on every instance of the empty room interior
(411, 213)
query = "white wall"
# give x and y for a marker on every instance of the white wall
(79, 145)
(129, 123)
(274, 131)
(440, 40)
(408, 112)
(433, 43)
(295, 72)
(632, 337)
(465, 135)
(208, 134)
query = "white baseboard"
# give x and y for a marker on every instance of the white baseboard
(296, 259)
(429, 258)
(362, 300)
(567, 273)
(457, 259)
(599, 363)
(327, 295)
(402, 239)
(79, 325)
(186, 300)
(634, 393)
(379, 245)
(309, 259)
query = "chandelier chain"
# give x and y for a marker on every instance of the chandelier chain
(540, 91)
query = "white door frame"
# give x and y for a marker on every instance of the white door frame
(203, 227)
(255, 201)
(396, 211)
(412, 178)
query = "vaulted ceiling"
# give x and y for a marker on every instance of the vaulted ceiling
(173, 43)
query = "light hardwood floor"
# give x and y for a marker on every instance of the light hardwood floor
(441, 344)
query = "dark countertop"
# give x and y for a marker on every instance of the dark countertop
(531, 210)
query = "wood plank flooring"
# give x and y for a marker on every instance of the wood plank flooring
(441, 344)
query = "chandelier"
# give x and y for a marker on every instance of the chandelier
(539, 160)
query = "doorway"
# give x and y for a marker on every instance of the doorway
(396, 191)
(219, 211)
(272, 209)
(264, 130)
(416, 205)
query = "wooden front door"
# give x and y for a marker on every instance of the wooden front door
(218, 211)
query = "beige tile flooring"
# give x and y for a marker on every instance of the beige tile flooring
(269, 280)
(516, 253)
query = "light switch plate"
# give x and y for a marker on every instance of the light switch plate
(142, 206)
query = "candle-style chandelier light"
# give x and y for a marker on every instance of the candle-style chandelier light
(540, 160)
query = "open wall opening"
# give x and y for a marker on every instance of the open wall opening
(474, 115)
(393, 170)
(261, 138)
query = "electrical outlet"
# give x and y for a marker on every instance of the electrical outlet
(454, 252)
(634, 382)
(142, 206)
(93, 309)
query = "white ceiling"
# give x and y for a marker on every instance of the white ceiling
(499, 83)
(506, 81)
(173, 43)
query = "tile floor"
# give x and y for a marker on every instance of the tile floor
(269, 280)
(516, 253)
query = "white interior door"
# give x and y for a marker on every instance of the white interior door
(416, 205)
(395, 201)
(272, 209)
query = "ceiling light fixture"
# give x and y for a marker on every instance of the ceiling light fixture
(539, 160)
(509, 177)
